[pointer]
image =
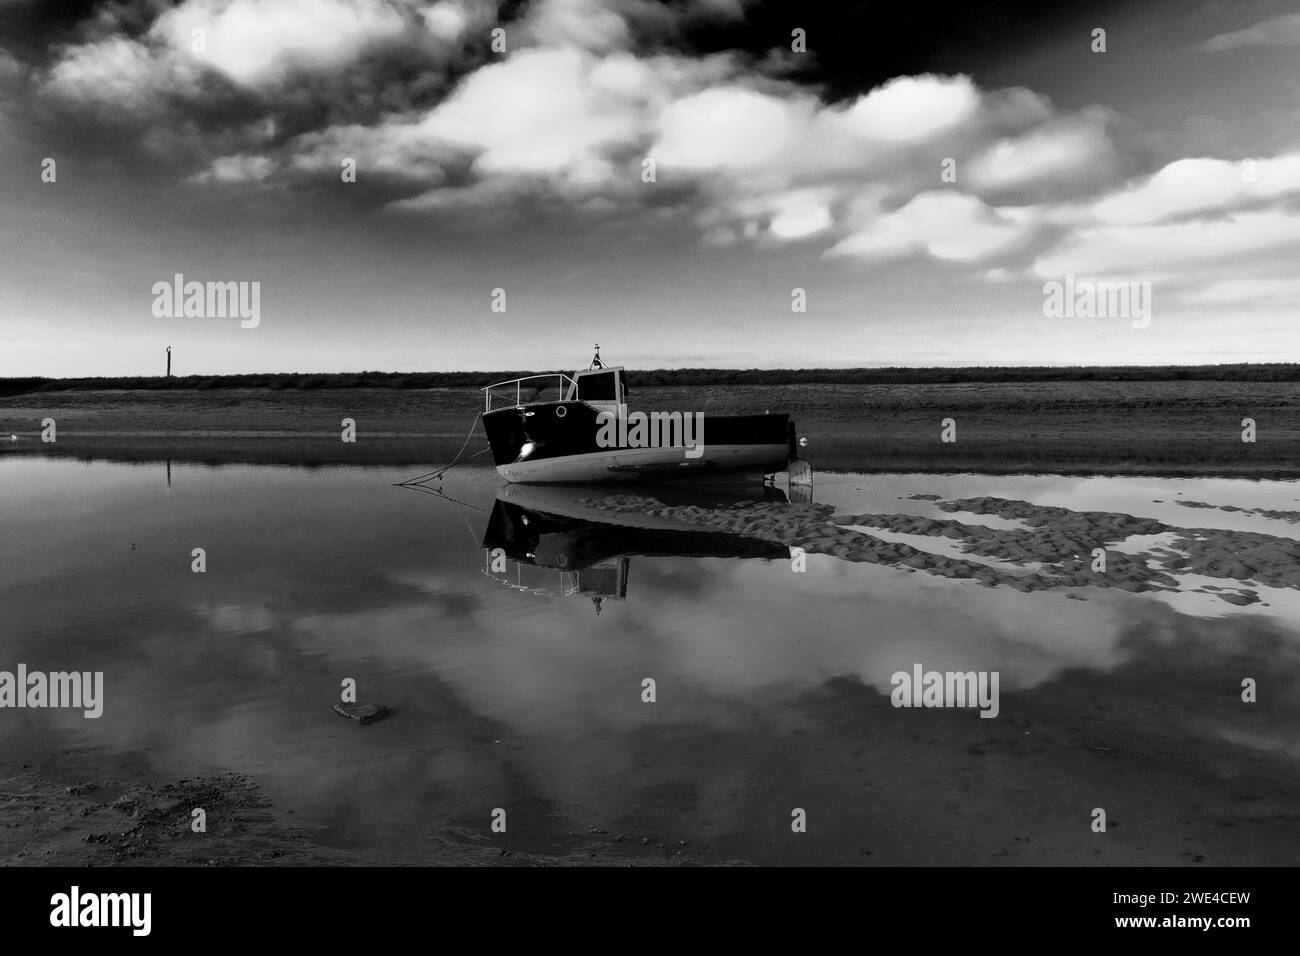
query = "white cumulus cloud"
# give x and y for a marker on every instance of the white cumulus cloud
(945, 225)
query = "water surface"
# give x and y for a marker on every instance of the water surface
(519, 685)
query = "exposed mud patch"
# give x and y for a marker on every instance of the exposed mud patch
(1055, 549)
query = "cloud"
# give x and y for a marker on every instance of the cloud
(236, 169)
(259, 46)
(448, 21)
(913, 108)
(1190, 218)
(945, 225)
(257, 42)
(11, 70)
(1075, 148)
(282, 91)
(730, 128)
(1181, 246)
(563, 122)
(584, 24)
(116, 71)
(1201, 185)
(394, 151)
(1280, 31)
(570, 125)
(737, 127)
(544, 111)
(787, 216)
(800, 214)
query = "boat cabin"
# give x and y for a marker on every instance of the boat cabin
(602, 388)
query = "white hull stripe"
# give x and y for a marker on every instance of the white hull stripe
(622, 464)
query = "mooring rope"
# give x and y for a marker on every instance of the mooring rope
(430, 476)
(439, 493)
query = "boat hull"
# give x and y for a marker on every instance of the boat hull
(649, 464)
(556, 442)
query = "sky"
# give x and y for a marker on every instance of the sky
(671, 180)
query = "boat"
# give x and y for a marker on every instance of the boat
(558, 428)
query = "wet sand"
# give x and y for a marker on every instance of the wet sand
(108, 822)
(903, 792)
(1054, 549)
(1291, 516)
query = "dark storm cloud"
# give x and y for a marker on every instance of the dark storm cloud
(856, 46)
(35, 29)
(122, 76)
(860, 44)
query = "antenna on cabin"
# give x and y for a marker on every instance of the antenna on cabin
(596, 362)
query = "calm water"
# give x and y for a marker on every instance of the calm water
(510, 690)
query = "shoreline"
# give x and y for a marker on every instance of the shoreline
(1133, 428)
(417, 453)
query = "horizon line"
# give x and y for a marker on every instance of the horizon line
(683, 368)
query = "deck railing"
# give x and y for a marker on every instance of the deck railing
(563, 382)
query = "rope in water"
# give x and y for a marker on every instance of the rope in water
(430, 476)
(439, 493)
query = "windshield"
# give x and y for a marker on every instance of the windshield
(598, 388)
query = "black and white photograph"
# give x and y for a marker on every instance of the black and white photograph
(624, 434)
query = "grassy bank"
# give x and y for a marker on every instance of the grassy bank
(1166, 427)
(677, 377)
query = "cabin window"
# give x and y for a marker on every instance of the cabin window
(598, 388)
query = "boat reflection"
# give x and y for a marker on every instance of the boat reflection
(558, 541)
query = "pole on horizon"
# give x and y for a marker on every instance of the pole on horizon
(169, 361)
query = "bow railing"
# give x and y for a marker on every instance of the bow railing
(512, 392)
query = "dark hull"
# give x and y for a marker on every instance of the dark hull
(557, 441)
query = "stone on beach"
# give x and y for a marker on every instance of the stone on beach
(365, 713)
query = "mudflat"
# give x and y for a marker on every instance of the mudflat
(1080, 427)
